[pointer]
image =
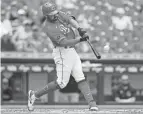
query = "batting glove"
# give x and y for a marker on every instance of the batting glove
(84, 38)
(81, 31)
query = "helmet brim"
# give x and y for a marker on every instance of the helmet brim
(53, 13)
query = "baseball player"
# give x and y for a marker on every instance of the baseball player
(58, 27)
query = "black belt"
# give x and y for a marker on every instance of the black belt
(66, 47)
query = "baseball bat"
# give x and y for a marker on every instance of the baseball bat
(94, 50)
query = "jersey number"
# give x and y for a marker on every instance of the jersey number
(64, 29)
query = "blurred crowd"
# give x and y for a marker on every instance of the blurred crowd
(22, 28)
(114, 26)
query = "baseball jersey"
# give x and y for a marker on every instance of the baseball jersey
(60, 29)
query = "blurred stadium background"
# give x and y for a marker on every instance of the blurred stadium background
(116, 31)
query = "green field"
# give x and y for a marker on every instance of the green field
(72, 109)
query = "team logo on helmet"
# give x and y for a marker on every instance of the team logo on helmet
(53, 8)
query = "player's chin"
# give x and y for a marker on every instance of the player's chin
(53, 18)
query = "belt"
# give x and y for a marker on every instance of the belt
(66, 47)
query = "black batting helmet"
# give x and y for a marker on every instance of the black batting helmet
(49, 8)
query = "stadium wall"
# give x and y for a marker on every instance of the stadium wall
(35, 73)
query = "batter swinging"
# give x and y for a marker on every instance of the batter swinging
(58, 27)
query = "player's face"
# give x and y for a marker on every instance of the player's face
(53, 16)
(125, 81)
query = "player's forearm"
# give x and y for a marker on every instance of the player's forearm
(120, 100)
(74, 23)
(71, 42)
(130, 100)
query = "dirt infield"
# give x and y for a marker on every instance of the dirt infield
(76, 109)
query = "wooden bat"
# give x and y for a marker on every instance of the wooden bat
(94, 50)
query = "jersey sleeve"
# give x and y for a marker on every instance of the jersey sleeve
(65, 17)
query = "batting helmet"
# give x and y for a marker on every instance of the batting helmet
(49, 8)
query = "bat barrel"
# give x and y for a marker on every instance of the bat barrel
(94, 50)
